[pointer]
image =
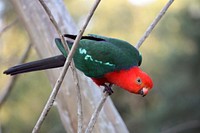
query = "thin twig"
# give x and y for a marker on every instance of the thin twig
(54, 24)
(95, 115)
(153, 24)
(6, 91)
(0, 128)
(8, 26)
(142, 39)
(183, 127)
(79, 100)
(64, 70)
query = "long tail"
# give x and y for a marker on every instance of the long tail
(48, 63)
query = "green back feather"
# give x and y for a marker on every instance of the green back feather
(97, 55)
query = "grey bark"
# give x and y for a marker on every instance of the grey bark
(42, 34)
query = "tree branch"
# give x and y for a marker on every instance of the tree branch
(95, 115)
(153, 24)
(183, 127)
(64, 70)
(8, 26)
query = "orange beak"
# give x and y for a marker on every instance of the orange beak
(143, 91)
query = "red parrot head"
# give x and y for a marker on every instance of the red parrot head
(133, 80)
(143, 82)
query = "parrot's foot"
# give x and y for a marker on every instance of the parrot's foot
(108, 89)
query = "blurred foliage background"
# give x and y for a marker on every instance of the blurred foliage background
(171, 55)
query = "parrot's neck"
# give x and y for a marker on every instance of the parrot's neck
(123, 78)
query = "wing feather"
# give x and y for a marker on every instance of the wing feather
(97, 55)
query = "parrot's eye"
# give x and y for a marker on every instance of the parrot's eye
(139, 81)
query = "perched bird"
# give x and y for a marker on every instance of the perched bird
(105, 60)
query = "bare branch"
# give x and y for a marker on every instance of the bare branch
(96, 114)
(54, 24)
(6, 91)
(79, 99)
(64, 70)
(8, 26)
(153, 24)
(183, 127)
(0, 128)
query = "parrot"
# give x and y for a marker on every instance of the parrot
(105, 60)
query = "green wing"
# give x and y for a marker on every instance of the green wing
(134, 55)
(97, 55)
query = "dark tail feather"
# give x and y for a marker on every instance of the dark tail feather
(48, 63)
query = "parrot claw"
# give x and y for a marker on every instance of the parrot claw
(108, 89)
